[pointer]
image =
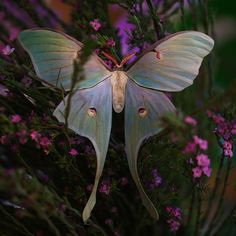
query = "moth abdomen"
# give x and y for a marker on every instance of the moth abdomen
(118, 83)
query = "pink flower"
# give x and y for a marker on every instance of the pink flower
(35, 135)
(174, 225)
(108, 222)
(73, 152)
(227, 145)
(7, 50)
(95, 24)
(191, 121)
(3, 139)
(203, 160)
(203, 144)
(190, 148)
(233, 131)
(104, 187)
(197, 172)
(175, 212)
(218, 119)
(111, 43)
(22, 135)
(15, 118)
(45, 142)
(123, 181)
(3, 90)
(89, 187)
(228, 153)
(207, 171)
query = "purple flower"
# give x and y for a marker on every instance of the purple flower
(156, 181)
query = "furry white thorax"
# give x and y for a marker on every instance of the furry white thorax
(118, 83)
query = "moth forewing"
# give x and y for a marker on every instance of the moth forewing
(118, 83)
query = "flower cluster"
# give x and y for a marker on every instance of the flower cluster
(95, 24)
(202, 166)
(174, 218)
(196, 146)
(225, 132)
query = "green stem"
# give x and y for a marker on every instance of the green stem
(199, 205)
(220, 202)
(156, 20)
(190, 213)
(16, 222)
(216, 186)
(181, 2)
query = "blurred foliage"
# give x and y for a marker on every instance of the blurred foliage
(43, 188)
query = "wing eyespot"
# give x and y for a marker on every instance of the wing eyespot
(92, 112)
(142, 112)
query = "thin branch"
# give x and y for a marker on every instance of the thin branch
(156, 21)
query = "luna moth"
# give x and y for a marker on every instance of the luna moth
(170, 64)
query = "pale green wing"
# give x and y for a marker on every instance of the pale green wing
(90, 116)
(53, 54)
(172, 63)
(143, 110)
